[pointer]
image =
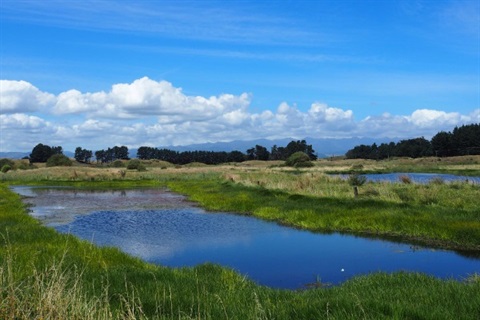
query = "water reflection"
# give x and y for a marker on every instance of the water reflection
(161, 227)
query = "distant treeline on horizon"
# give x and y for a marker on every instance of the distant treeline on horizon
(464, 140)
(41, 153)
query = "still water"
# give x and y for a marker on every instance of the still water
(419, 177)
(163, 228)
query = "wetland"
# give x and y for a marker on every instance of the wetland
(47, 271)
(164, 228)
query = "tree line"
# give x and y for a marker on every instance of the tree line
(214, 157)
(41, 153)
(464, 140)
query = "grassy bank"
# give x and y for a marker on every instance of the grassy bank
(44, 274)
(440, 214)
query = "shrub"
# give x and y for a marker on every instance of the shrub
(136, 164)
(299, 159)
(6, 168)
(6, 161)
(118, 164)
(58, 160)
(356, 180)
(25, 166)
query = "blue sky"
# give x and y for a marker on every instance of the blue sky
(102, 73)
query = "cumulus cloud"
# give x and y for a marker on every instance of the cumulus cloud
(156, 113)
(425, 118)
(145, 97)
(21, 96)
(422, 122)
(21, 121)
(321, 113)
(20, 132)
(73, 101)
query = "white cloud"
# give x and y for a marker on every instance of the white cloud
(425, 118)
(145, 98)
(422, 122)
(323, 113)
(73, 101)
(21, 96)
(20, 132)
(155, 113)
(475, 116)
(19, 121)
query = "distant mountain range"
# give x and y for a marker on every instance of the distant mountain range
(323, 147)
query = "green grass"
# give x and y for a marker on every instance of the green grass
(47, 275)
(445, 215)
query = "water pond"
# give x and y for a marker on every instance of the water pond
(163, 228)
(419, 177)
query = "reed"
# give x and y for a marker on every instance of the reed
(44, 274)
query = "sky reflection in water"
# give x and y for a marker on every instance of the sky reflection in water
(161, 227)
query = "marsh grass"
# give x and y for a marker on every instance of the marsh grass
(45, 275)
(463, 165)
(210, 292)
(445, 215)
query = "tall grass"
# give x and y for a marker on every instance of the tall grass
(46, 275)
(210, 292)
(445, 215)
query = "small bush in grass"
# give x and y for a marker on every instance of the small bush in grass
(356, 180)
(136, 164)
(6, 161)
(118, 164)
(26, 166)
(299, 159)
(6, 168)
(58, 160)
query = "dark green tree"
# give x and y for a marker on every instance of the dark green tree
(83, 155)
(277, 153)
(442, 144)
(414, 148)
(466, 139)
(100, 156)
(300, 146)
(120, 153)
(235, 156)
(41, 153)
(258, 153)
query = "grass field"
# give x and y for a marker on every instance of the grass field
(46, 275)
